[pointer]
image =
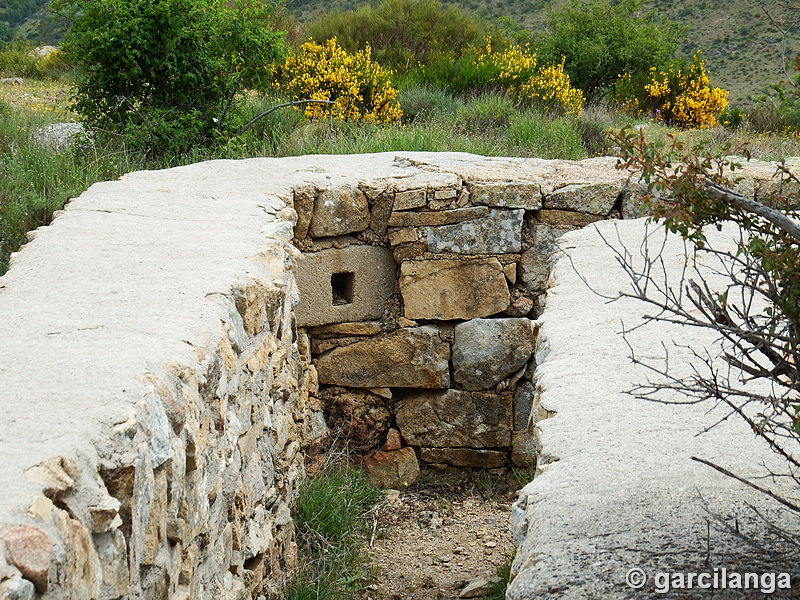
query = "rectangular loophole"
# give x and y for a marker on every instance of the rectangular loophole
(342, 288)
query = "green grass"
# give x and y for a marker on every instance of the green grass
(333, 526)
(497, 589)
(36, 181)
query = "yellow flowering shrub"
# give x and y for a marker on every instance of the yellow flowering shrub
(679, 96)
(360, 88)
(548, 87)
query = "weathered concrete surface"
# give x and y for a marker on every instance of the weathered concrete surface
(372, 273)
(618, 488)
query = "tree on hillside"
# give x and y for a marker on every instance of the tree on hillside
(165, 74)
(602, 39)
(403, 33)
(754, 306)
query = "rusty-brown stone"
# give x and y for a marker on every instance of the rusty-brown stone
(415, 357)
(396, 470)
(30, 550)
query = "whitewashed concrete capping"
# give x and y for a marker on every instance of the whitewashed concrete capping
(618, 489)
(156, 397)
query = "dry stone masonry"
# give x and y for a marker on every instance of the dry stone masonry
(177, 344)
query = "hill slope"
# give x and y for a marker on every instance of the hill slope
(741, 48)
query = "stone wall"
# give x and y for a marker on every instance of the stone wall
(158, 401)
(420, 295)
(169, 360)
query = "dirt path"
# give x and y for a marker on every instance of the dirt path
(437, 537)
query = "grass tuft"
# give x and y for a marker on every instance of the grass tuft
(333, 525)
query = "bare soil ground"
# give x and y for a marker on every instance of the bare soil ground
(443, 533)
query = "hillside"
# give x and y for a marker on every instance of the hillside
(741, 48)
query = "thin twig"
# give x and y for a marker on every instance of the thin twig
(274, 108)
(769, 493)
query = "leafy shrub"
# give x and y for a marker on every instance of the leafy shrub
(546, 137)
(547, 87)
(733, 117)
(679, 95)
(165, 73)
(462, 75)
(403, 33)
(18, 59)
(776, 112)
(360, 88)
(489, 111)
(421, 102)
(515, 70)
(601, 39)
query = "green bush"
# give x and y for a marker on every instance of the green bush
(464, 75)
(488, 111)
(17, 59)
(545, 137)
(423, 102)
(165, 73)
(403, 33)
(601, 39)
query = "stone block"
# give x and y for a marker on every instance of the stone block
(380, 211)
(568, 218)
(408, 251)
(507, 195)
(464, 457)
(341, 285)
(403, 235)
(433, 218)
(396, 469)
(355, 328)
(338, 211)
(534, 265)
(523, 448)
(415, 358)
(360, 415)
(593, 198)
(303, 202)
(486, 351)
(30, 550)
(446, 289)
(498, 233)
(409, 199)
(456, 418)
(523, 404)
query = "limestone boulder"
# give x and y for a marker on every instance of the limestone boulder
(446, 289)
(437, 217)
(415, 357)
(593, 198)
(498, 233)
(361, 416)
(485, 351)
(507, 194)
(534, 265)
(395, 470)
(30, 550)
(455, 418)
(339, 211)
